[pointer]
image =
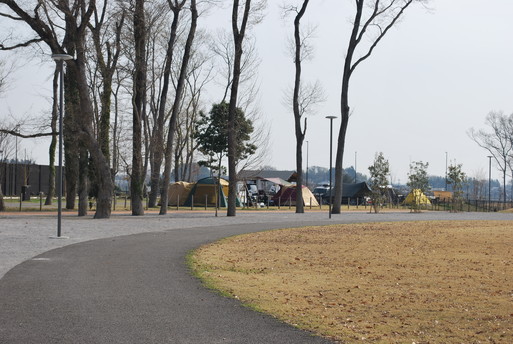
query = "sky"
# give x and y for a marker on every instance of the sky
(437, 74)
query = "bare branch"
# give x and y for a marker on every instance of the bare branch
(383, 32)
(26, 136)
(20, 45)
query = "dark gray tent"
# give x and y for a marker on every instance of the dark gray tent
(351, 192)
(358, 190)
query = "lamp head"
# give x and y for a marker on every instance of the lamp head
(61, 57)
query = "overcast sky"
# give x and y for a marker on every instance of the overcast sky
(436, 75)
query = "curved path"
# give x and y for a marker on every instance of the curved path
(136, 288)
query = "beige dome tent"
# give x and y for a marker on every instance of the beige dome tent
(178, 193)
(287, 196)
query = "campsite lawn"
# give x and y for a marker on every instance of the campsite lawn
(407, 282)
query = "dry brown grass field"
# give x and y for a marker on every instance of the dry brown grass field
(407, 282)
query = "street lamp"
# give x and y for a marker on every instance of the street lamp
(59, 59)
(331, 118)
(489, 181)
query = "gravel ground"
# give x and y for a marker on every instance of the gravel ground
(26, 235)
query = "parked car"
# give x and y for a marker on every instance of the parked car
(321, 192)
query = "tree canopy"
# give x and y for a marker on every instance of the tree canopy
(211, 134)
(379, 172)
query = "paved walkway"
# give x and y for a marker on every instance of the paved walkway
(135, 288)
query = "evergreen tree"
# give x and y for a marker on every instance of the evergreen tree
(379, 172)
(456, 177)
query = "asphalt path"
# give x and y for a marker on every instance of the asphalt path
(137, 289)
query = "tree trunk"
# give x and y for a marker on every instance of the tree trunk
(504, 182)
(87, 138)
(137, 177)
(339, 171)
(104, 125)
(344, 110)
(2, 204)
(71, 135)
(176, 107)
(53, 144)
(238, 38)
(83, 178)
(300, 133)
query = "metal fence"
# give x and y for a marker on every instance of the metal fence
(28, 178)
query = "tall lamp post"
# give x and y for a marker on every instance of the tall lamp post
(331, 118)
(489, 181)
(59, 59)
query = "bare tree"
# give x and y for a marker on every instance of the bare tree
(53, 143)
(46, 21)
(498, 142)
(137, 176)
(303, 98)
(478, 183)
(106, 28)
(159, 108)
(180, 85)
(199, 75)
(223, 49)
(239, 25)
(373, 19)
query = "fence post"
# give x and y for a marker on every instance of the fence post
(310, 203)
(206, 201)
(192, 202)
(177, 201)
(40, 201)
(290, 201)
(279, 202)
(21, 200)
